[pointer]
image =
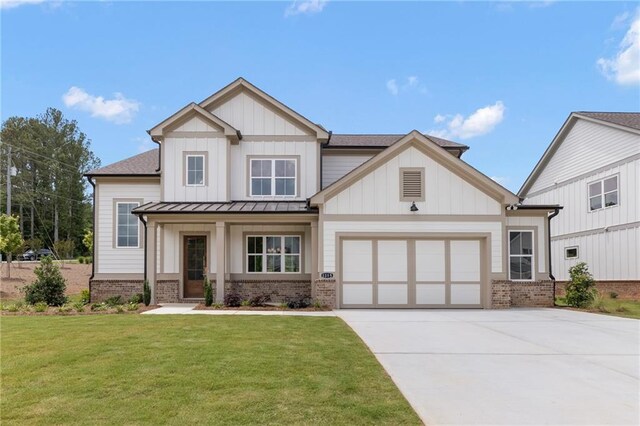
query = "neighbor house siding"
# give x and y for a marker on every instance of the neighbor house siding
(336, 166)
(254, 117)
(111, 259)
(446, 193)
(587, 146)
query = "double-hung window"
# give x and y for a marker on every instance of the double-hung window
(273, 177)
(195, 170)
(603, 193)
(521, 255)
(273, 254)
(127, 231)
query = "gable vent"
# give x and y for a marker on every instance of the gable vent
(412, 185)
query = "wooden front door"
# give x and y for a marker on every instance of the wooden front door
(194, 265)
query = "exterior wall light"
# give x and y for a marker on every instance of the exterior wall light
(414, 208)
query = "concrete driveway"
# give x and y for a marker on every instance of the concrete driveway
(508, 367)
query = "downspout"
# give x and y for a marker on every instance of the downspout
(144, 222)
(553, 279)
(93, 233)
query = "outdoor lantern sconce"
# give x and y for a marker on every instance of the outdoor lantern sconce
(414, 208)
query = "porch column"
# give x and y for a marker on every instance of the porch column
(314, 252)
(220, 260)
(150, 250)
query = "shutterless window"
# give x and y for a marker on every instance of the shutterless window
(571, 252)
(127, 226)
(521, 255)
(273, 254)
(603, 193)
(273, 177)
(195, 170)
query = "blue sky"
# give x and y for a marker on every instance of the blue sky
(500, 77)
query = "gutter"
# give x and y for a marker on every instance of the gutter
(93, 230)
(551, 216)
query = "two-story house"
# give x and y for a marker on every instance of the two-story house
(265, 201)
(592, 168)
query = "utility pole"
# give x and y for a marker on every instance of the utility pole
(9, 180)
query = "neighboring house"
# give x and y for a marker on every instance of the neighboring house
(265, 201)
(592, 168)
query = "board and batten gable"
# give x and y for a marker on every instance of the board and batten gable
(334, 167)
(108, 258)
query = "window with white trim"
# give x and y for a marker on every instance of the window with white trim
(195, 170)
(127, 231)
(273, 177)
(571, 252)
(273, 254)
(521, 255)
(603, 193)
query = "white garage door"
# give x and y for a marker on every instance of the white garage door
(411, 273)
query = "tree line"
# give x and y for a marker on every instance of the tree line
(49, 155)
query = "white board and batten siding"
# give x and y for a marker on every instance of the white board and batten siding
(119, 260)
(172, 236)
(335, 167)
(445, 192)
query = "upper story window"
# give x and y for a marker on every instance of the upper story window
(603, 193)
(521, 255)
(195, 172)
(127, 231)
(273, 177)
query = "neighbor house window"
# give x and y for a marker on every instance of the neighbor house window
(603, 193)
(521, 255)
(273, 177)
(571, 252)
(195, 170)
(412, 184)
(127, 234)
(273, 254)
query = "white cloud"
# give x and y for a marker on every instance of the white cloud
(392, 87)
(411, 84)
(305, 7)
(620, 21)
(624, 67)
(481, 122)
(10, 4)
(119, 110)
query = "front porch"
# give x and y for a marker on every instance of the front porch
(249, 249)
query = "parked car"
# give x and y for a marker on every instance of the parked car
(32, 255)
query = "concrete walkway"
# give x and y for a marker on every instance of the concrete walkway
(508, 367)
(187, 309)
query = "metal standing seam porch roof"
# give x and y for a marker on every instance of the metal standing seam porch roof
(231, 207)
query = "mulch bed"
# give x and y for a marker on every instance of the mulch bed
(202, 307)
(53, 311)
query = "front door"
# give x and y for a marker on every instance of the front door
(195, 264)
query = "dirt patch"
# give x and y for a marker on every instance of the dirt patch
(76, 274)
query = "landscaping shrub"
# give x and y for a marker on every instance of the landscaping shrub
(79, 306)
(146, 293)
(613, 295)
(132, 306)
(113, 301)
(245, 303)
(85, 297)
(49, 286)
(232, 300)
(218, 305)
(580, 292)
(136, 298)
(99, 307)
(40, 307)
(119, 309)
(208, 292)
(259, 300)
(298, 302)
(64, 309)
(13, 308)
(80, 259)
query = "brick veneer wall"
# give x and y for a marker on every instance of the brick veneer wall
(104, 289)
(625, 289)
(505, 294)
(167, 291)
(280, 291)
(324, 292)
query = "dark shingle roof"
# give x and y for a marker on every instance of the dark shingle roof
(382, 141)
(167, 207)
(627, 119)
(141, 164)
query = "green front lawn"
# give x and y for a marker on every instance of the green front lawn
(606, 305)
(192, 369)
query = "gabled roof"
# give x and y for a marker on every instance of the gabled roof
(433, 150)
(628, 121)
(242, 84)
(144, 164)
(189, 111)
